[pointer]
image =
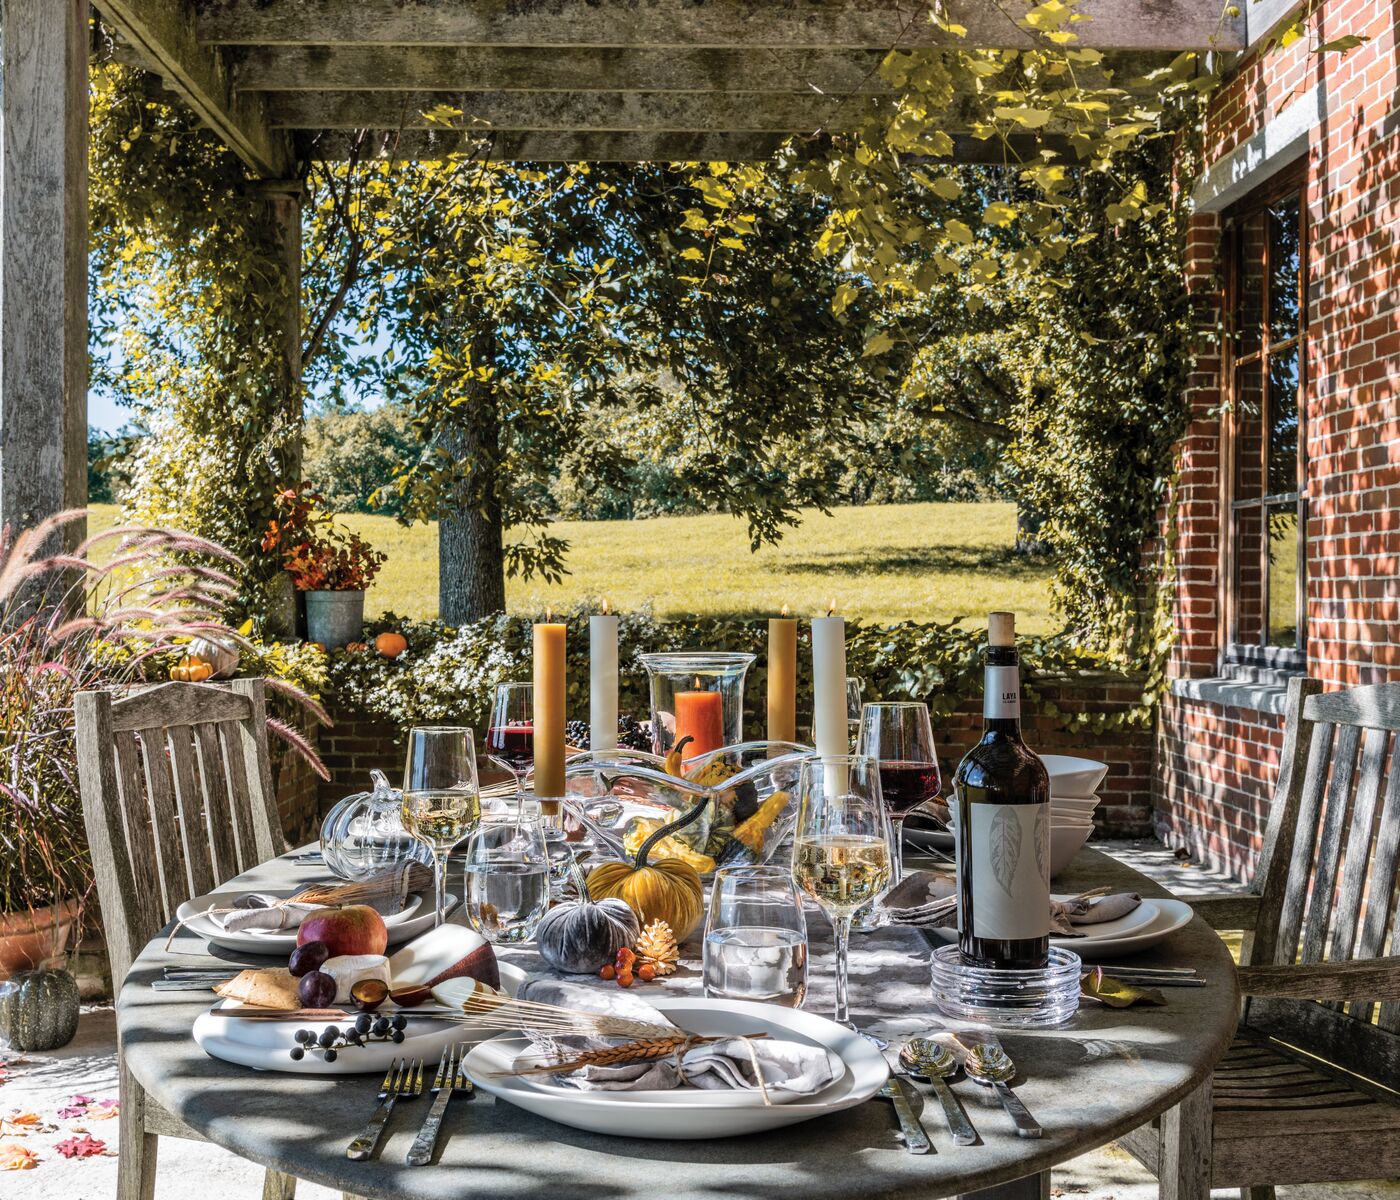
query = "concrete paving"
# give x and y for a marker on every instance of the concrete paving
(87, 1067)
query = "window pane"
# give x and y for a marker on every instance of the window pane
(1249, 431)
(1249, 578)
(1283, 421)
(1283, 576)
(1283, 269)
(1249, 306)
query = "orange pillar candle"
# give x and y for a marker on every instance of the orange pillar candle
(782, 678)
(549, 709)
(700, 716)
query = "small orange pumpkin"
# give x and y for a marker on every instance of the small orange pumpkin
(192, 669)
(391, 645)
(356, 647)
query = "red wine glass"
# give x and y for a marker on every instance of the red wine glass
(899, 736)
(510, 740)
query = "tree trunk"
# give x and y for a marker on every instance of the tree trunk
(1028, 523)
(471, 554)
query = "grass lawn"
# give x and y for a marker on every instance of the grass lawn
(886, 563)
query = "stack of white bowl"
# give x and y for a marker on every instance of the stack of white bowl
(1074, 795)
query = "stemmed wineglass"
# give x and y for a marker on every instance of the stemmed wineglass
(852, 711)
(841, 848)
(441, 798)
(511, 735)
(899, 736)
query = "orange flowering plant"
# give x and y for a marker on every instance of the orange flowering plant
(319, 555)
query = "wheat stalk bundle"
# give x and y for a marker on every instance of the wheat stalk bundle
(396, 885)
(555, 1020)
(643, 1050)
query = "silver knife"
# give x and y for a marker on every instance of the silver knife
(448, 1080)
(915, 1139)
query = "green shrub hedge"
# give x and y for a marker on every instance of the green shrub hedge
(450, 674)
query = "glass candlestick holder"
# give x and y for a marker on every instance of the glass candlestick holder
(697, 694)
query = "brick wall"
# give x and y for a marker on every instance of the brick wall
(1216, 764)
(355, 745)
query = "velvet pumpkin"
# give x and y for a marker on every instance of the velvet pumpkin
(667, 890)
(41, 1011)
(579, 937)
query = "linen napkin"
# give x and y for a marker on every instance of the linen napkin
(258, 910)
(927, 898)
(1089, 910)
(735, 1064)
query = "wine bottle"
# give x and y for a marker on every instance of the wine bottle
(1003, 825)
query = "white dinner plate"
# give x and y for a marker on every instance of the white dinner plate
(417, 915)
(266, 1045)
(1151, 922)
(690, 1113)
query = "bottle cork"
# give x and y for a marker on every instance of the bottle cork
(1001, 629)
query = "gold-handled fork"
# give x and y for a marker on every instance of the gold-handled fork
(403, 1080)
(450, 1078)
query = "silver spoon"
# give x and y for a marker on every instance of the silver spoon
(991, 1066)
(926, 1059)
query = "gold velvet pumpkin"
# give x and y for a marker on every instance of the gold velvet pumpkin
(667, 890)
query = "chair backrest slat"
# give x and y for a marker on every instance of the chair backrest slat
(176, 789)
(166, 828)
(136, 817)
(1294, 898)
(208, 860)
(1329, 848)
(1337, 899)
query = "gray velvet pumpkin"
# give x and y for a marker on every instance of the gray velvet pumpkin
(41, 1011)
(579, 937)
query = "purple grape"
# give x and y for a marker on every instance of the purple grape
(308, 958)
(316, 990)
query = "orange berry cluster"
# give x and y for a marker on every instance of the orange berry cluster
(625, 969)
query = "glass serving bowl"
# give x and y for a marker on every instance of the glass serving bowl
(745, 819)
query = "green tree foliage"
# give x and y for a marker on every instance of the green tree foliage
(351, 455)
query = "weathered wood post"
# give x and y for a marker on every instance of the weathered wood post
(43, 259)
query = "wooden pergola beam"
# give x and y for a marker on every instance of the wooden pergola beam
(571, 69)
(658, 146)
(162, 32)
(584, 112)
(739, 24)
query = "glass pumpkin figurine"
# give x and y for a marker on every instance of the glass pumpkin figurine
(363, 835)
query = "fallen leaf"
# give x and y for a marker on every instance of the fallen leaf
(1115, 993)
(80, 1147)
(103, 1110)
(14, 1157)
(66, 1114)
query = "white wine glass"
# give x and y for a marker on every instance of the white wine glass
(441, 797)
(507, 876)
(841, 848)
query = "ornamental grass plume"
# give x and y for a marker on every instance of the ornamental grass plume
(106, 614)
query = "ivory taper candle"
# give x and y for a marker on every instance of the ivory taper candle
(602, 681)
(549, 708)
(829, 728)
(782, 678)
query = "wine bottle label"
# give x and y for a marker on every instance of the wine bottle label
(1001, 698)
(1010, 861)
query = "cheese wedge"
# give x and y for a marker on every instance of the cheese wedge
(348, 969)
(268, 987)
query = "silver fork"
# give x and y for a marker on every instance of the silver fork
(451, 1077)
(403, 1079)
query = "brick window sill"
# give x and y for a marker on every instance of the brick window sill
(1258, 696)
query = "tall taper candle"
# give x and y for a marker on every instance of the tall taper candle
(782, 678)
(829, 684)
(549, 709)
(602, 681)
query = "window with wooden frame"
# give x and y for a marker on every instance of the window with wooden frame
(1265, 360)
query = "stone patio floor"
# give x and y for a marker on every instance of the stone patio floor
(87, 1067)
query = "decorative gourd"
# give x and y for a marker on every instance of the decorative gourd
(667, 890)
(192, 669)
(41, 1011)
(391, 645)
(578, 938)
(222, 656)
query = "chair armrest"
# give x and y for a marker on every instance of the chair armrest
(1369, 980)
(1226, 910)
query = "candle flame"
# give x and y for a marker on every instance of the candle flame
(698, 686)
(548, 614)
(831, 608)
(784, 612)
(605, 606)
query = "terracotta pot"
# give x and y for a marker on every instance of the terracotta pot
(29, 939)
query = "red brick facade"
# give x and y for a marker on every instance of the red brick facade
(1217, 763)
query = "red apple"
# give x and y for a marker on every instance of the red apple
(354, 929)
(447, 952)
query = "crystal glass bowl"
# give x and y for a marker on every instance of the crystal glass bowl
(363, 835)
(745, 820)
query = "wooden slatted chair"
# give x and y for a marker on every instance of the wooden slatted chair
(177, 798)
(1310, 1090)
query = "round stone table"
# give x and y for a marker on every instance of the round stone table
(1106, 1072)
